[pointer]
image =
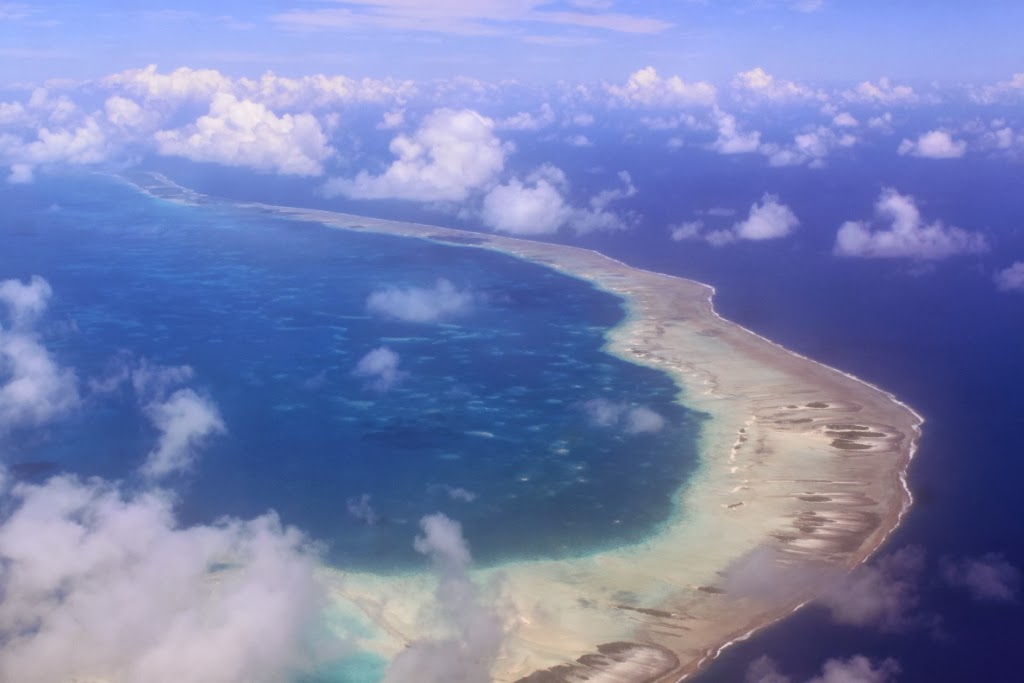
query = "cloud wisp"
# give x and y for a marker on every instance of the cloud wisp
(1011, 278)
(908, 235)
(989, 578)
(856, 669)
(629, 418)
(473, 631)
(380, 368)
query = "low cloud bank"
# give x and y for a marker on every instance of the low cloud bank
(103, 583)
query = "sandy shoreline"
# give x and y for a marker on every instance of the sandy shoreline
(802, 476)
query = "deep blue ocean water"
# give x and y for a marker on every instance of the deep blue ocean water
(272, 317)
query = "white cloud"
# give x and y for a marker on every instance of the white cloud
(420, 304)
(473, 631)
(935, 144)
(25, 302)
(1002, 90)
(181, 84)
(535, 207)
(758, 83)
(989, 577)
(34, 389)
(538, 205)
(99, 584)
(319, 91)
(632, 419)
(844, 119)
(767, 220)
(882, 594)
(186, 421)
(245, 133)
(908, 235)
(731, 140)
(882, 92)
(524, 121)
(380, 367)
(646, 88)
(690, 230)
(1012, 278)
(810, 147)
(452, 153)
(126, 113)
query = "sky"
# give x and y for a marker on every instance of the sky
(548, 120)
(822, 41)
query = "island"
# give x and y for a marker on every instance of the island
(802, 476)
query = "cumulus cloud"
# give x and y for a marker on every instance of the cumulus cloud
(185, 421)
(845, 119)
(857, 669)
(380, 368)
(420, 304)
(533, 207)
(25, 302)
(731, 140)
(768, 219)
(632, 419)
(181, 84)
(935, 144)
(1012, 278)
(99, 584)
(882, 594)
(537, 206)
(883, 91)
(908, 236)
(248, 134)
(473, 631)
(759, 84)
(34, 388)
(810, 147)
(989, 577)
(645, 88)
(452, 153)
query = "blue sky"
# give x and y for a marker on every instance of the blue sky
(823, 41)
